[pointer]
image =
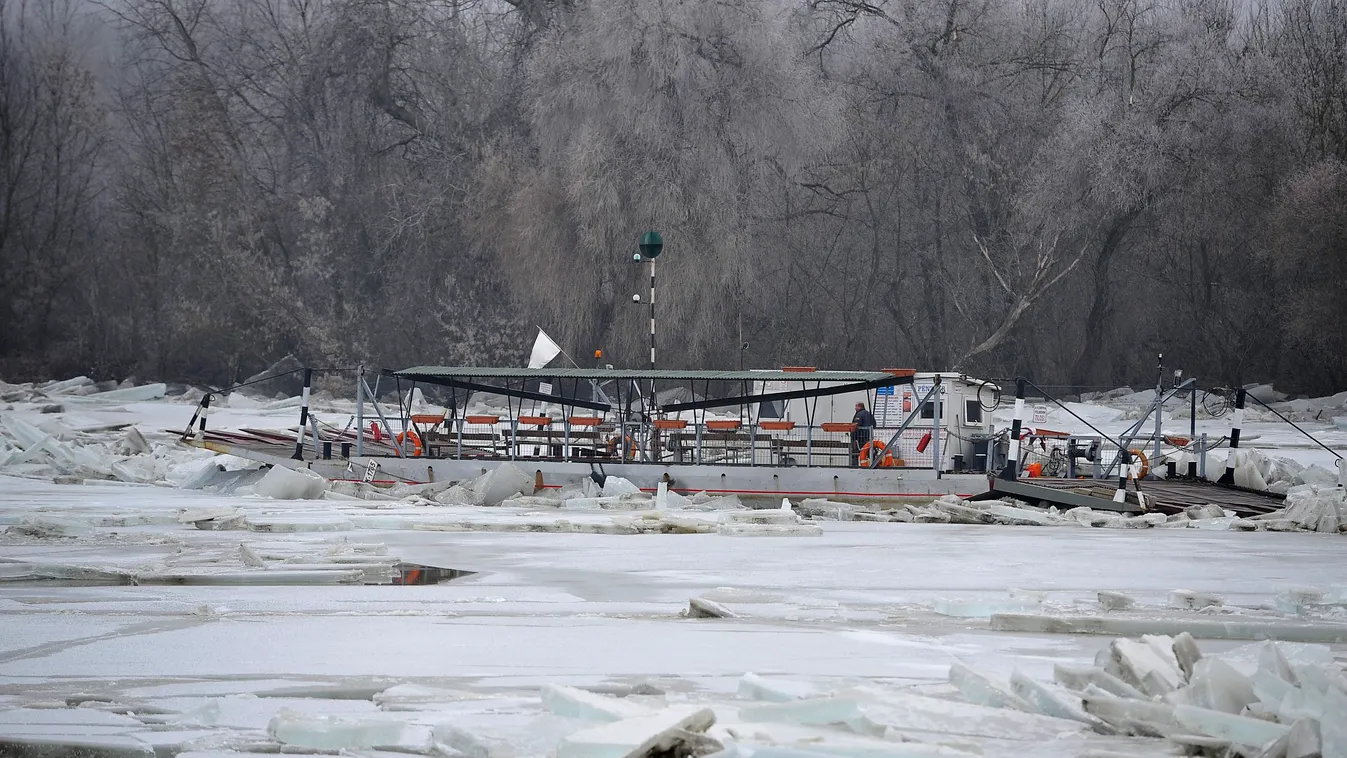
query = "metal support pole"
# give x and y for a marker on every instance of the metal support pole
(752, 443)
(1012, 470)
(514, 432)
(1192, 413)
(360, 412)
(313, 428)
(303, 416)
(1229, 476)
(1159, 408)
(397, 444)
(936, 463)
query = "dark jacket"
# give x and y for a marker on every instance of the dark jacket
(863, 419)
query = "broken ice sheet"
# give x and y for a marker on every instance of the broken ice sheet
(332, 732)
(1147, 667)
(1237, 729)
(909, 712)
(790, 741)
(1048, 700)
(985, 608)
(580, 704)
(1217, 686)
(814, 711)
(981, 689)
(470, 744)
(1081, 678)
(754, 687)
(618, 738)
(415, 697)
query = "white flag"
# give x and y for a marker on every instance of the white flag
(544, 350)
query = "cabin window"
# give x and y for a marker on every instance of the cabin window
(972, 412)
(928, 410)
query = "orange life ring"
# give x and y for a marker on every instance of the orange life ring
(877, 447)
(1145, 463)
(416, 442)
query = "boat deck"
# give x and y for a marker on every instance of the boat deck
(1163, 495)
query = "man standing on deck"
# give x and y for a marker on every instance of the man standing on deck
(865, 428)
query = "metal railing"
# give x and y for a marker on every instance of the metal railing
(772, 443)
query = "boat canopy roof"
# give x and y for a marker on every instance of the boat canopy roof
(514, 381)
(429, 373)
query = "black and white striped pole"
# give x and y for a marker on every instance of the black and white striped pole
(303, 416)
(1124, 471)
(652, 332)
(205, 411)
(1238, 420)
(1012, 470)
(652, 244)
(202, 410)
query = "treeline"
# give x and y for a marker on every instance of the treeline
(191, 189)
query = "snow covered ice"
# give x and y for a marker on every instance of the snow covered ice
(174, 602)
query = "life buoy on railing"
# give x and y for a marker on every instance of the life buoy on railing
(630, 446)
(1145, 464)
(877, 448)
(416, 443)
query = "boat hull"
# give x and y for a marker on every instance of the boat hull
(748, 482)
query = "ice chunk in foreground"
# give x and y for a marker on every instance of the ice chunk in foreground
(1215, 685)
(769, 530)
(786, 741)
(615, 486)
(133, 394)
(1226, 726)
(1297, 599)
(619, 738)
(580, 704)
(817, 711)
(414, 697)
(1333, 725)
(701, 608)
(773, 516)
(754, 687)
(983, 608)
(1303, 741)
(501, 482)
(909, 712)
(1115, 601)
(103, 746)
(1190, 600)
(1080, 679)
(1146, 667)
(332, 732)
(283, 483)
(1048, 701)
(979, 689)
(469, 744)
(1186, 654)
(1141, 717)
